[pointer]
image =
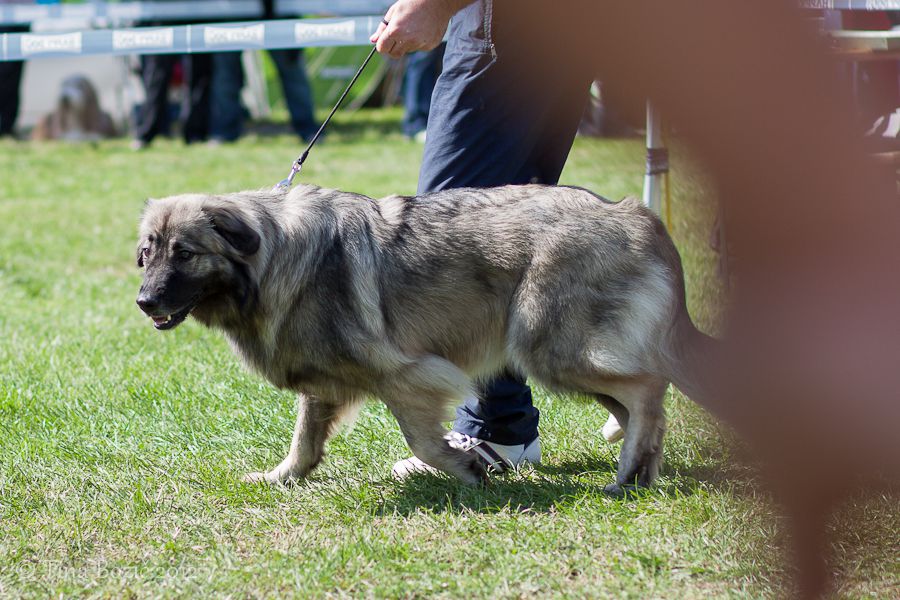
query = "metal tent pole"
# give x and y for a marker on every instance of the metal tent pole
(657, 161)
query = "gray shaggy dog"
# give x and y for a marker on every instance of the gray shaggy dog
(412, 300)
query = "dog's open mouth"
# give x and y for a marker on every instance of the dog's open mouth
(173, 320)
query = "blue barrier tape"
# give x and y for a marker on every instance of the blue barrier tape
(288, 33)
(120, 12)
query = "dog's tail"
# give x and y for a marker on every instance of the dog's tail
(688, 357)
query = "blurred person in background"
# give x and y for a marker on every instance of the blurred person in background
(419, 77)
(10, 82)
(157, 72)
(227, 115)
(153, 115)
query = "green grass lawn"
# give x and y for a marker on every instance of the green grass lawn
(122, 448)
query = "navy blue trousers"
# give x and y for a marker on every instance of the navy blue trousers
(502, 112)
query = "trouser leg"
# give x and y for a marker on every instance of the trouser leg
(198, 76)
(152, 119)
(10, 80)
(495, 119)
(226, 117)
(504, 414)
(297, 90)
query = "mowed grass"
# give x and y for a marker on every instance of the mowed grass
(122, 448)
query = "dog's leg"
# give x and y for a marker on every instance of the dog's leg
(316, 420)
(421, 426)
(419, 397)
(642, 450)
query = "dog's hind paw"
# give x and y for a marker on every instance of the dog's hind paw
(262, 477)
(255, 477)
(625, 491)
(615, 490)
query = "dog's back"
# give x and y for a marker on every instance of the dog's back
(504, 268)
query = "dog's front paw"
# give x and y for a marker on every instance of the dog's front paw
(480, 474)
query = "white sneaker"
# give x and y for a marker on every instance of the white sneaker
(496, 458)
(612, 431)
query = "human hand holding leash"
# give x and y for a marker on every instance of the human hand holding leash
(411, 25)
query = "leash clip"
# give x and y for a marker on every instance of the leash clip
(287, 182)
(284, 184)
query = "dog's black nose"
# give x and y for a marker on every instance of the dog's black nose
(147, 302)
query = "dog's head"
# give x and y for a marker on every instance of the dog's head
(77, 94)
(197, 253)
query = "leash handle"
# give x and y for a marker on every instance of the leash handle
(298, 164)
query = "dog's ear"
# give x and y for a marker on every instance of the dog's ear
(229, 224)
(140, 249)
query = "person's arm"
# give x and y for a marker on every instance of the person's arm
(415, 25)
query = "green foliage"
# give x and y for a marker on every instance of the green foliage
(122, 448)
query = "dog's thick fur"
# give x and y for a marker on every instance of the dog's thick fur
(412, 299)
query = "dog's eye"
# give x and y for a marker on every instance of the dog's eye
(185, 254)
(145, 252)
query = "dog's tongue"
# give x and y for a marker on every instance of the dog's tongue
(160, 320)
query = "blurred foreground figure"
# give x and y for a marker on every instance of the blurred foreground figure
(810, 368)
(809, 371)
(227, 115)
